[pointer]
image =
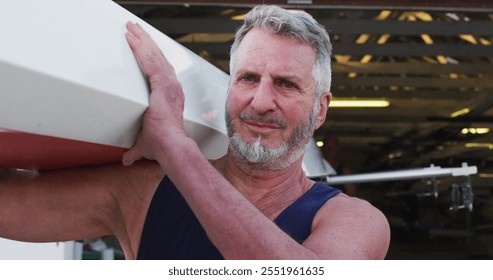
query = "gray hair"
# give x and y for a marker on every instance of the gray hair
(296, 24)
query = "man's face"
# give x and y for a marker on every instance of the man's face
(271, 98)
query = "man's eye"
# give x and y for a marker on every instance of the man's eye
(247, 78)
(286, 84)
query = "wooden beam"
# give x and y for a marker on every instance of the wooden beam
(413, 49)
(411, 68)
(402, 94)
(416, 82)
(395, 27)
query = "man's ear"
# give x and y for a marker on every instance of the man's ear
(323, 107)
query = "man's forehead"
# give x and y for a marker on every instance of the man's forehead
(259, 39)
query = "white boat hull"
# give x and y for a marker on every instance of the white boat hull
(72, 92)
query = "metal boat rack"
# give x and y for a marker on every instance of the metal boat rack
(461, 193)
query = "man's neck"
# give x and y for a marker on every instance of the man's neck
(270, 191)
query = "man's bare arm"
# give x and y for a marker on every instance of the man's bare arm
(53, 206)
(75, 203)
(349, 228)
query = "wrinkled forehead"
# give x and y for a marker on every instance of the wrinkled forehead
(264, 44)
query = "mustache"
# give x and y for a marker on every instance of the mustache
(260, 119)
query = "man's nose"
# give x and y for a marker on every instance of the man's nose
(264, 98)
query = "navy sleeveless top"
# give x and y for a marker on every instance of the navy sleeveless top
(171, 230)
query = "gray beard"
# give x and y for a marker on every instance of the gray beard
(271, 159)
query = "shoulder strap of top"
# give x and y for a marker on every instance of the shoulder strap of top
(296, 220)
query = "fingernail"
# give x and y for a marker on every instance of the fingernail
(126, 162)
